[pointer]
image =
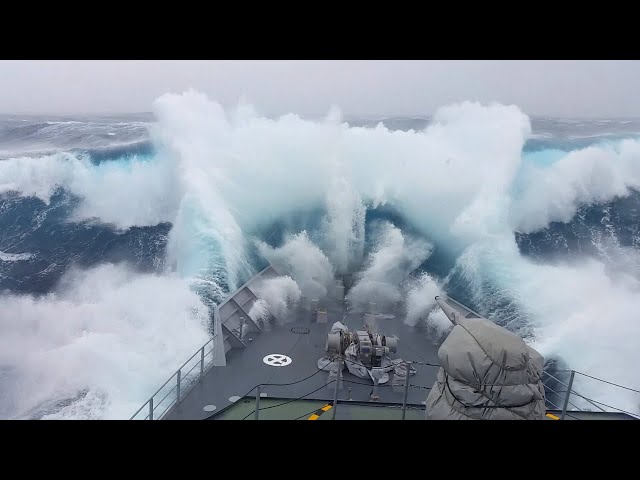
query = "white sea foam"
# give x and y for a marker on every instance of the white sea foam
(221, 176)
(107, 331)
(277, 296)
(594, 174)
(394, 256)
(300, 258)
(15, 257)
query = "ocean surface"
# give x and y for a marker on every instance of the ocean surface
(119, 233)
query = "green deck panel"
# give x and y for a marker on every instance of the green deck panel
(306, 408)
(291, 411)
(348, 411)
(355, 411)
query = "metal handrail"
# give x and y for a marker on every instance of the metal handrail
(186, 375)
(570, 390)
(553, 404)
(165, 397)
(609, 406)
(610, 383)
(181, 390)
(197, 352)
(547, 387)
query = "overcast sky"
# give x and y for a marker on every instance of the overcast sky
(559, 88)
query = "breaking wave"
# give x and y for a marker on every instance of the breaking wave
(474, 202)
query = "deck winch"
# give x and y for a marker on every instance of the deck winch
(363, 351)
(370, 347)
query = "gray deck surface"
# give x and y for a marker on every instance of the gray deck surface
(223, 386)
(245, 367)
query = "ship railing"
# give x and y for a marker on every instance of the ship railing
(178, 385)
(187, 376)
(566, 400)
(407, 365)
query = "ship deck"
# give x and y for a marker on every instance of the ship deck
(299, 389)
(303, 340)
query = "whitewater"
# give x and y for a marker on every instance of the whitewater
(117, 236)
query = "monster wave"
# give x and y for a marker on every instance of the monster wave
(118, 235)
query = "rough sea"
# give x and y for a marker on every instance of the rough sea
(118, 234)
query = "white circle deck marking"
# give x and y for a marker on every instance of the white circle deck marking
(277, 360)
(209, 408)
(234, 399)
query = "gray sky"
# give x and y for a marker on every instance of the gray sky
(562, 88)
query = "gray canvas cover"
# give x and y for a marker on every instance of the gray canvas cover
(487, 373)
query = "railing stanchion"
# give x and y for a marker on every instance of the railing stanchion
(179, 374)
(566, 398)
(258, 393)
(335, 395)
(406, 391)
(178, 386)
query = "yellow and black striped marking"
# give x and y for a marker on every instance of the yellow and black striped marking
(552, 416)
(320, 411)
